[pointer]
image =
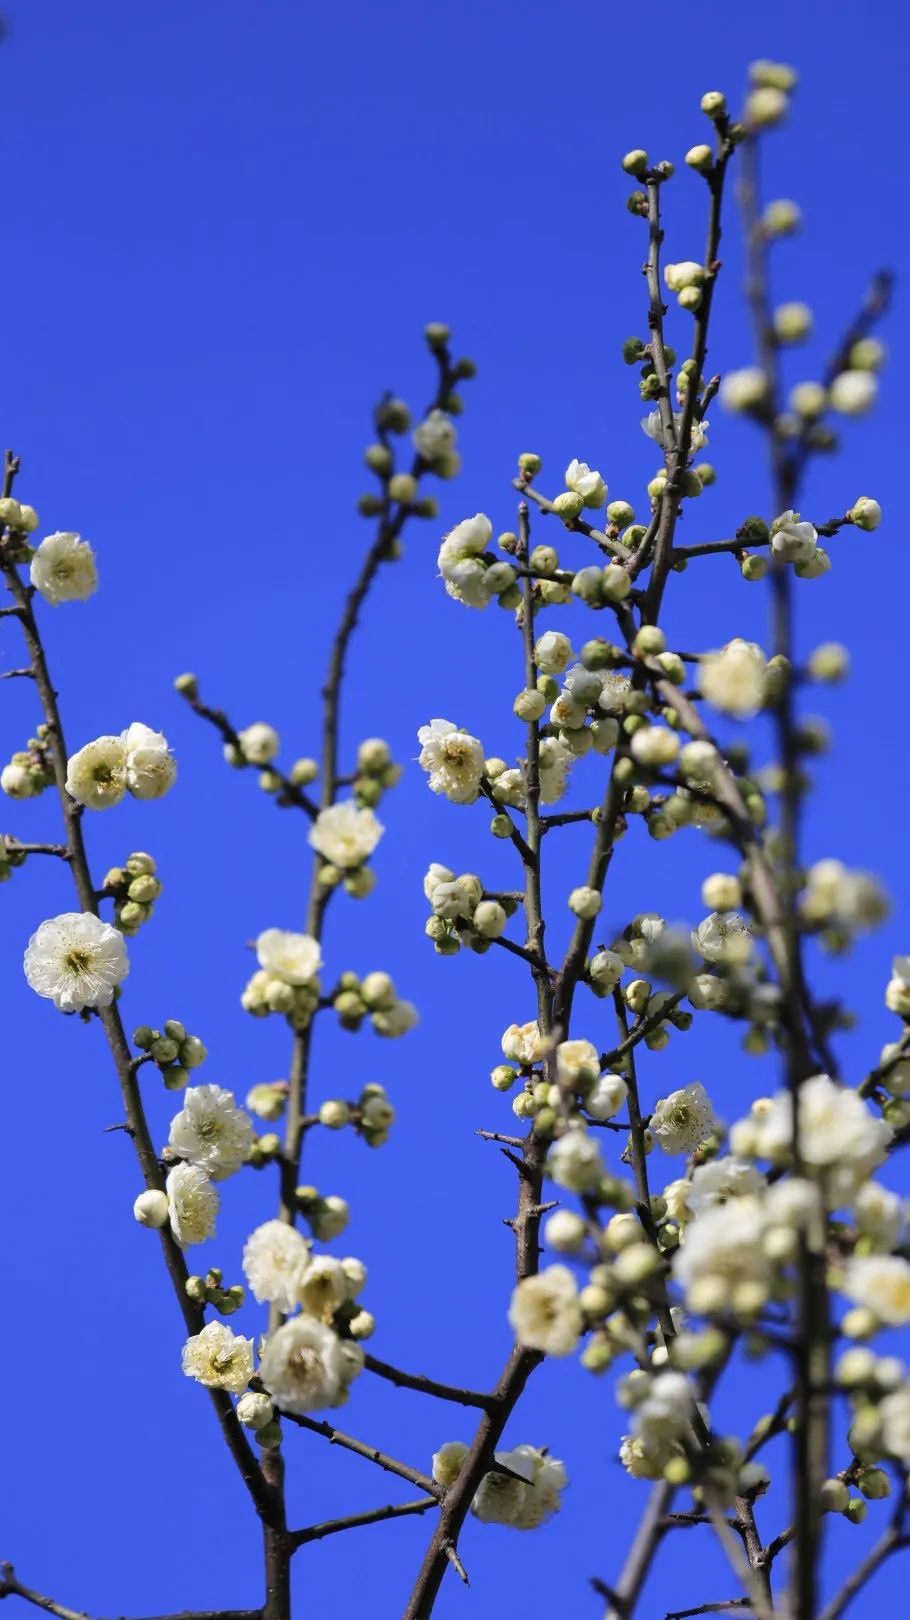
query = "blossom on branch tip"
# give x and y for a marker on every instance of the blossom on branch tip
(733, 679)
(584, 481)
(76, 961)
(683, 1120)
(150, 766)
(63, 569)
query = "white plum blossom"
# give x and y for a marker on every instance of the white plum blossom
(606, 969)
(151, 768)
(894, 1415)
(448, 1460)
(545, 1313)
(682, 1121)
(555, 763)
(259, 743)
(219, 1359)
(745, 389)
(436, 874)
(733, 680)
(847, 897)
(724, 936)
(652, 426)
(614, 691)
(211, 1131)
(324, 1287)
(838, 1133)
(459, 561)
(193, 1204)
(396, 1020)
(522, 1043)
(577, 1062)
(293, 958)
(151, 1208)
(722, 1252)
(879, 1214)
(255, 1410)
(16, 781)
(453, 760)
(881, 1282)
(719, 1180)
(345, 835)
(96, 774)
(435, 436)
(275, 1261)
(574, 1161)
(63, 569)
(585, 482)
(302, 1365)
(792, 540)
(552, 652)
(523, 1503)
(76, 961)
(897, 990)
(606, 1096)
(565, 1232)
(667, 1410)
(852, 393)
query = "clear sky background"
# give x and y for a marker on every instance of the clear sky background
(224, 228)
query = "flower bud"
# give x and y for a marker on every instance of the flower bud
(151, 1208)
(255, 1410)
(585, 902)
(700, 158)
(615, 584)
(529, 464)
(766, 107)
(713, 102)
(866, 514)
(529, 705)
(649, 641)
(489, 919)
(403, 488)
(753, 567)
(568, 506)
(636, 163)
(187, 686)
(334, 1114)
(447, 1462)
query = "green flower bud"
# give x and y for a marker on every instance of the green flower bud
(503, 1077)
(427, 506)
(568, 506)
(649, 641)
(163, 1051)
(132, 915)
(637, 203)
(501, 826)
(873, 1483)
(187, 686)
(649, 387)
(544, 559)
(616, 584)
(753, 566)
(393, 414)
(140, 864)
(689, 298)
(529, 464)
(466, 368)
(620, 513)
(403, 488)
(636, 163)
(269, 1436)
(714, 103)
(192, 1052)
(143, 1037)
(632, 350)
(437, 335)
(529, 705)
(855, 1510)
(378, 458)
(334, 1114)
(144, 889)
(700, 158)
(369, 505)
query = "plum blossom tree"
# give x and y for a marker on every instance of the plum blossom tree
(772, 1237)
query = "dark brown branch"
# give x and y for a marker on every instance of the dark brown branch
(10, 1586)
(427, 1386)
(334, 1527)
(390, 1465)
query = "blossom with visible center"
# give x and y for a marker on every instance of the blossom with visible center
(293, 958)
(63, 569)
(453, 760)
(545, 1313)
(219, 1359)
(345, 835)
(275, 1261)
(302, 1365)
(682, 1121)
(211, 1131)
(193, 1204)
(76, 961)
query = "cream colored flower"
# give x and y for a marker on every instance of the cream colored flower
(211, 1131)
(76, 961)
(733, 680)
(293, 958)
(219, 1359)
(63, 569)
(193, 1204)
(151, 768)
(881, 1282)
(682, 1121)
(453, 760)
(275, 1262)
(545, 1313)
(96, 776)
(302, 1365)
(345, 835)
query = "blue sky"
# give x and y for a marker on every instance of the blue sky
(225, 228)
